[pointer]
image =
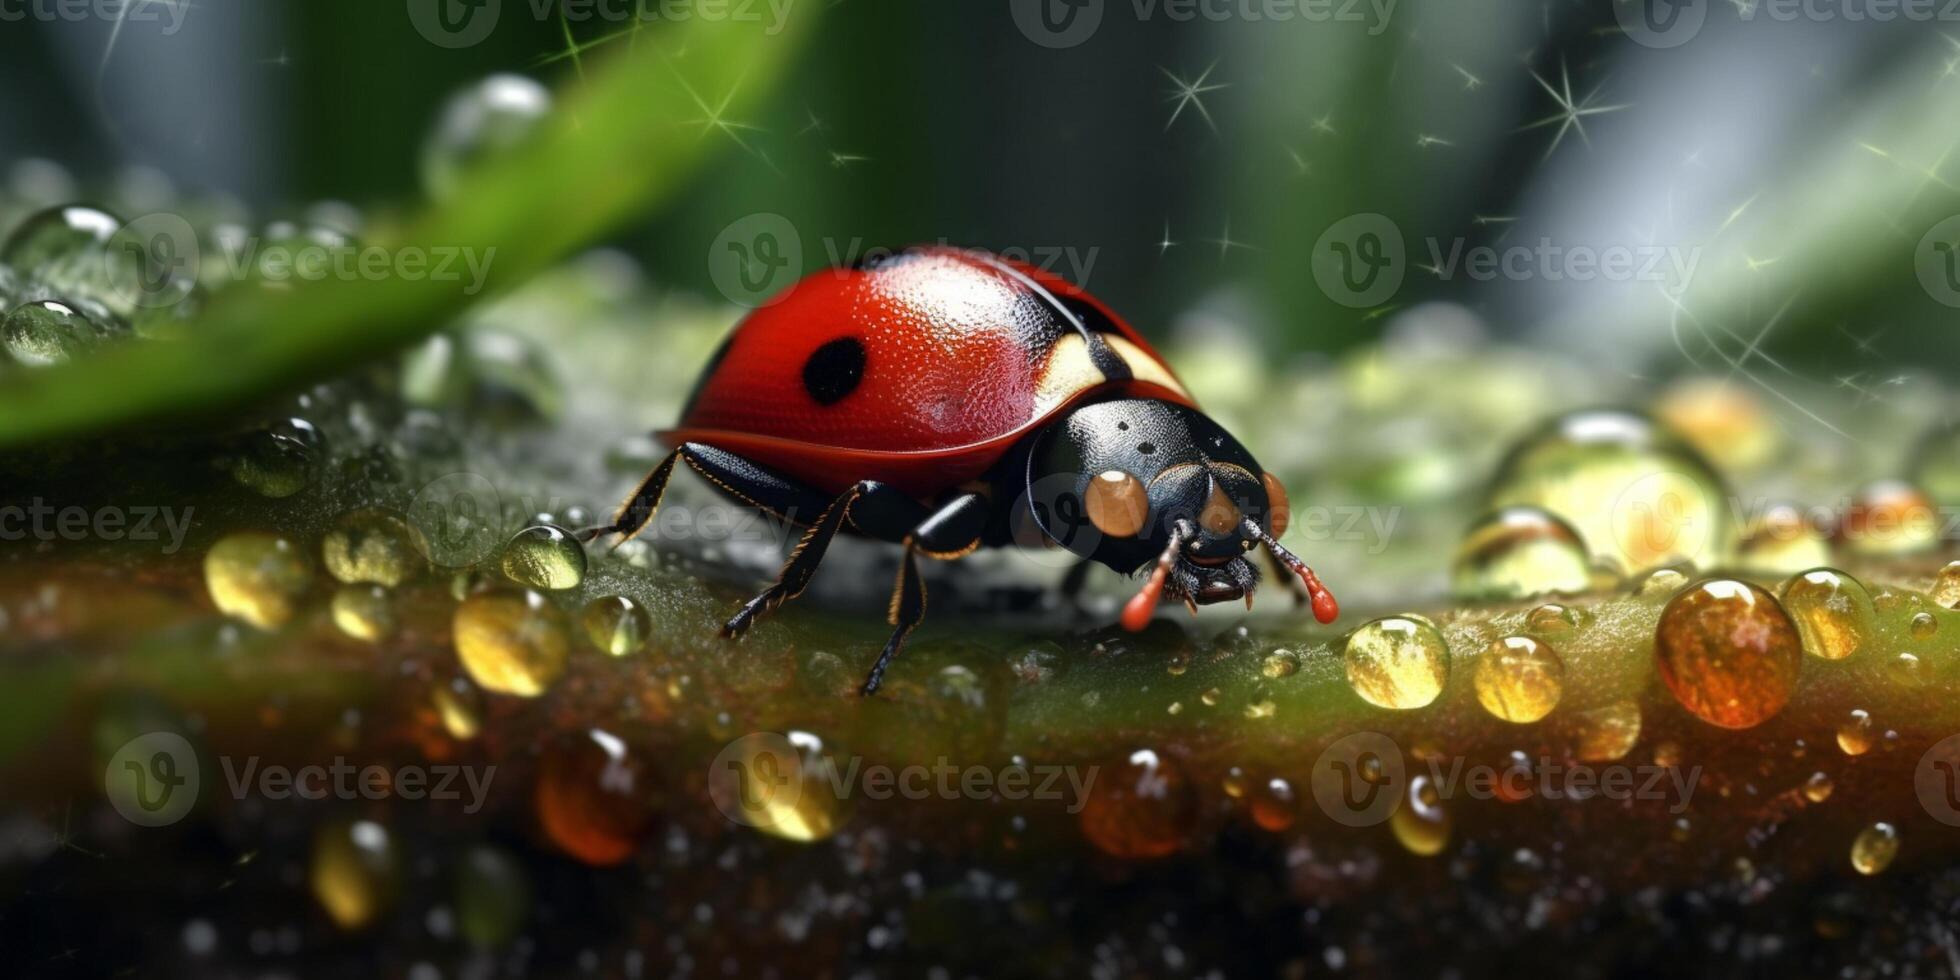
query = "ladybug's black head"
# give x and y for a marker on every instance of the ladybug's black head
(1135, 481)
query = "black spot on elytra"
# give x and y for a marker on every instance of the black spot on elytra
(1146, 448)
(834, 370)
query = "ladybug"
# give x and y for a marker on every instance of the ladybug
(946, 400)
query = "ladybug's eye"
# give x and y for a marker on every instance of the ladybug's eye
(1279, 511)
(1117, 503)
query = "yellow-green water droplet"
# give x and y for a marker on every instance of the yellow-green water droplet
(1662, 583)
(1280, 663)
(1518, 552)
(1783, 541)
(43, 333)
(1234, 782)
(1421, 824)
(460, 708)
(1854, 733)
(372, 545)
(1818, 787)
(511, 643)
(1552, 619)
(257, 577)
(1874, 849)
(616, 624)
(544, 556)
(1635, 492)
(1606, 733)
(1946, 586)
(279, 460)
(1519, 679)
(478, 123)
(492, 897)
(1908, 670)
(365, 612)
(355, 872)
(1923, 626)
(1397, 662)
(1728, 652)
(783, 786)
(1833, 612)
(1890, 518)
(1260, 708)
(1210, 697)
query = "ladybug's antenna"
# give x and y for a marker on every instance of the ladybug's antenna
(1137, 612)
(1325, 608)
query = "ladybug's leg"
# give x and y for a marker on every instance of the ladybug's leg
(872, 507)
(733, 475)
(638, 509)
(1073, 581)
(907, 609)
(949, 532)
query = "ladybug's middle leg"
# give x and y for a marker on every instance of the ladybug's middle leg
(877, 510)
(949, 532)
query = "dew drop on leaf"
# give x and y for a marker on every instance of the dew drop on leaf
(1519, 552)
(1518, 679)
(1728, 653)
(1873, 850)
(355, 871)
(1832, 611)
(257, 577)
(1397, 662)
(591, 796)
(511, 642)
(544, 556)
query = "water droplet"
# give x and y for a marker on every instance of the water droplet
(492, 897)
(1519, 552)
(46, 332)
(364, 612)
(511, 643)
(1874, 849)
(1234, 783)
(1728, 652)
(279, 460)
(1833, 612)
(1260, 707)
(1723, 420)
(1946, 586)
(1890, 518)
(616, 624)
(1280, 663)
(1817, 788)
(1519, 679)
(1421, 824)
(1635, 492)
(478, 123)
(1667, 755)
(1854, 733)
(1210, 697)
(1606, 733)
(1783, 541)
(373, 545)
(1397, 662)
(1552, 619)
(1662, 583)
(544, 556)
(355, 872)
(1274, 807)
(1142, 807)
(790, 798)
(1908, 670)
(460, 707)
(592, 797)
(65, 247)
(1923, 626)
(257, 577)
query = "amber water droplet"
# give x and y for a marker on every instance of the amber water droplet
(1946, 586)
(1782, 540)
(1924, 626)
(1234, 783)
(1398, 662)
(1274, 808)
(1421, 824)
(1833, 612)
(364, 612)
(1667, 755)
(372, 545)
(1662, 583)
(1874, 849)
(257, 577)
(460, 707)
(1817, 788)
(616, 625)
(1518, 552)
(355, 872)
(1889, 518)
(1280, 663)
(1606, 733)
(783, 786)
(1722, 419)
(1552, 619)
(511, 643)
(1854, 733)
(544, 556)
(1143, 807)
(1519, 679)
(1636, 492)
(591, 797)
(1728, 652)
